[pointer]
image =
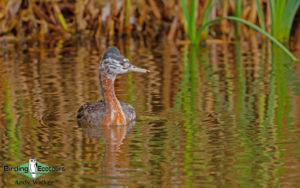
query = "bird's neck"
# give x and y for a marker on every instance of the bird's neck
(114, 114)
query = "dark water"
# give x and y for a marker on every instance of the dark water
(227, 115)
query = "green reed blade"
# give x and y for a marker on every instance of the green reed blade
(185, 11)
(238, 8)
(282, 15)
(280, 5)
(277, 8)
(273, 15)
(238, 13)
(288, 18)
(261, 16)
(207, 14)
(250, 25)
(191, 22)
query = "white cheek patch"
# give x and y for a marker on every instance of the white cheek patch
(115, 61)
(115, 66)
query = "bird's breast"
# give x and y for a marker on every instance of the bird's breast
(114, 114)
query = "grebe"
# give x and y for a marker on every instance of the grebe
(109, 110)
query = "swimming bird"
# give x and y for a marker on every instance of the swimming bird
(109, 110)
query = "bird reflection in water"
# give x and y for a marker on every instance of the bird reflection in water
(114, 135)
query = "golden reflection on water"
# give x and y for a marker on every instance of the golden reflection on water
(223, 115)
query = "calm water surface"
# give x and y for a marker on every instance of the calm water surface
(226, 115)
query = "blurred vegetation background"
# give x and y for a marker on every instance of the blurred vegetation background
(151, 19)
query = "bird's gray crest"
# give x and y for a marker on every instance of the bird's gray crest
(110, 52)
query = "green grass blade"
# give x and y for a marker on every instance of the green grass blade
(261, 16)
(250, 25)
(207, 14)
(288, 17)
(185, 11)
(238, 8)
(191, 23)
(280, 5)
(273, 16)
(238, 13)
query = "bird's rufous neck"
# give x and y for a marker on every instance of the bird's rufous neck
(108, 89)
(114, 114)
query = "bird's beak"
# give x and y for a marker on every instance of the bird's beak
(137, 69)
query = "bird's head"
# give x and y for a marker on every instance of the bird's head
(113, 63)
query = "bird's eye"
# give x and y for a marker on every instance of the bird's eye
(126, 65)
